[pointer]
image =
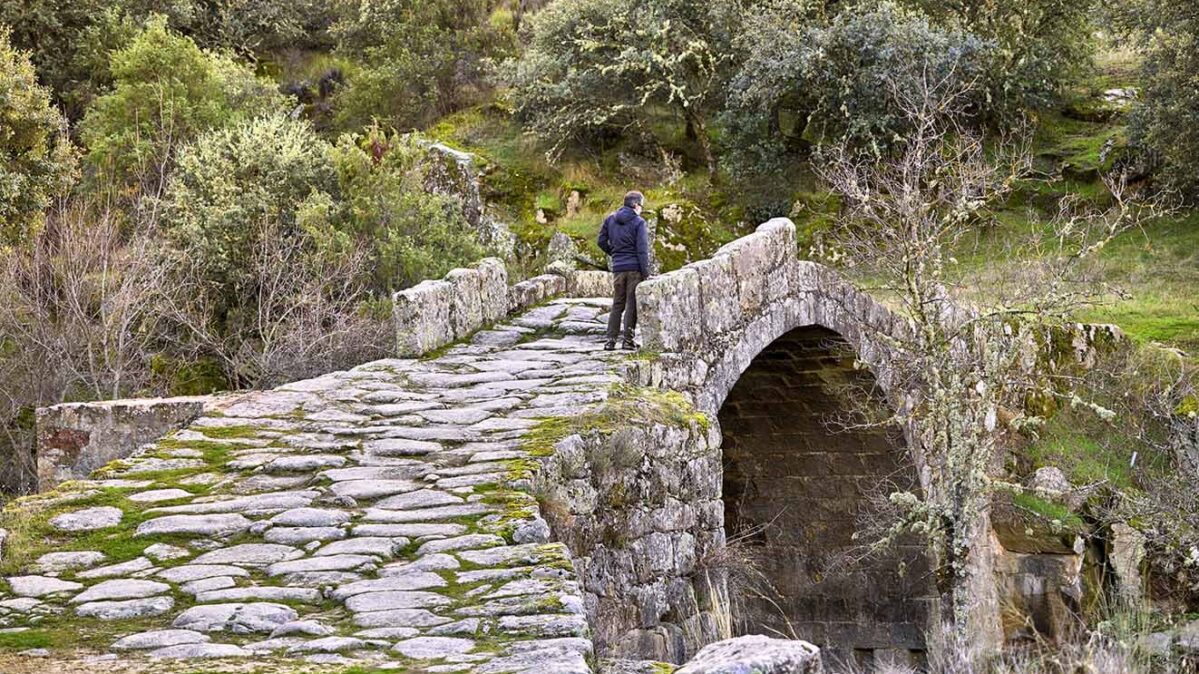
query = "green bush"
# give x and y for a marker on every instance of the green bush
(233, 184)
(415, 235)
(167, 91)
(37, 160)
(418, 59)
(596, 66)
(1166, 122)
(817, 82)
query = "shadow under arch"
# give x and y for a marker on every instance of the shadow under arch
(796, 487)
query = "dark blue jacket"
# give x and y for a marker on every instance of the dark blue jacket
(624, 237)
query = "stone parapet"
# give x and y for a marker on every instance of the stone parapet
(436, 313)
(74, 439)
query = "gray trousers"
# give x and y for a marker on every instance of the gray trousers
(624, 302)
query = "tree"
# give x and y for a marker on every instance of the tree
(613, 64)
(961, 361)
(1039, 45)
(420, 59)
(825, 76)
(167, 91)
(1166, 121)
(37, 160)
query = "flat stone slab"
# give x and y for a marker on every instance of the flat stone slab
(755, 653)
(194, 572)
(121, 588)
(416, 580)
(90, 519)
(386, 601)
(126, 610)
(409, 530)
(433, 648)
(368, 489)
(201, 652)
(404, 617)
(41, 586)
(328, 645)
(329, 563)
(426, 514)
(123, 569)
(467, 542)
(157, 495)
(159, 639)
(237, 618)
(311, 517)
(199, 525)
(299, 594)
(424, 498)
(401, 447)
(544, 625)
(250, 554)
(53, 562)
(259, 504)
(385, 548)
(164, 553)
(302, 535)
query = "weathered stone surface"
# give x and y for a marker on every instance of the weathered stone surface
(123, 569)
(52, 562)
(296, 594)
(329, 563)
(157, 495)
(385, 548)
(201, 525)
(159, 639)
(237, 618)
(399, 618)
(250, 554)
(90, 519)
(414, 580)
(468, 542)
(755, 653)
(126, 610)
(194, 572)
(40, 586)
(433, 648)
(200, 652)
(311, 517)
(302, 535)
(328, 645)
(162, 552)
(121, 589)
(368, 489)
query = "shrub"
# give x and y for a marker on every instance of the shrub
(600, 65)
(167, 91)
(266, 281)
(416, 234)
(420, 59)
(1166, 121)
(831, 80)
(37, 160)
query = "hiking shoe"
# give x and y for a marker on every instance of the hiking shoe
(629, 346)
(610, 345)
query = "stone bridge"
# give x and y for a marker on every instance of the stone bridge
(503, 497)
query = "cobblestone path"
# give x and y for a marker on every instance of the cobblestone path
(380, 516)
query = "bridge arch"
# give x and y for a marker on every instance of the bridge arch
(769, 346)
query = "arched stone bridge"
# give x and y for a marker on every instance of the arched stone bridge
(504, 497)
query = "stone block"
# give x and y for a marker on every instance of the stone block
(422, 318)
(535, 291)
(589, 283)
(466, 301)
(717, 285)
(493, 288)
(755, 653)
(74, 439)
(668, 307)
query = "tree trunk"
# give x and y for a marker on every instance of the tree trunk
(697, 126)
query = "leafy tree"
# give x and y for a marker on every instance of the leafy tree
(1167, 119)
(1039, 45)
(611, 64)
(805, 79)
(37, 160)
(420, 59)
(167, 91)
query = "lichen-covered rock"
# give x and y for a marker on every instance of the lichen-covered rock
(89, 519)
(755, 654)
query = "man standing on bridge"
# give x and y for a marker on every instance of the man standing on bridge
(623, 237)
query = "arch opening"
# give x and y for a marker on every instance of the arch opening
(796, 486)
